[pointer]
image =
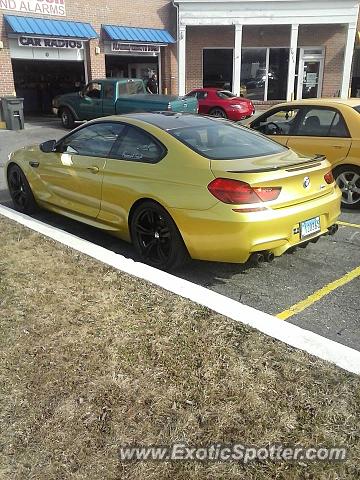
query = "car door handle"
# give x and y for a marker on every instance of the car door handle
(34, 164)
(93, 169)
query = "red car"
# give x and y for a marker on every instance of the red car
(222, 103)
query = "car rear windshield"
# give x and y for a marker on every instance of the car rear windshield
(131, 87)
(357, 108)
(225, 94)
(226, 141)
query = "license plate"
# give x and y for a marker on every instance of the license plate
(309, 227)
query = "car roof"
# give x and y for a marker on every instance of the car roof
(166, 120)
(352, 102)
(114, 79)
(215, 89)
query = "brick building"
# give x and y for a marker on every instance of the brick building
(268, 50)
(55, 46)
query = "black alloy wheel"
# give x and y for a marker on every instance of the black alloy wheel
(156, 237)
(20, 191)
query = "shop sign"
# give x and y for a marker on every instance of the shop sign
(50, 42)
(133, 48)
(43, 7)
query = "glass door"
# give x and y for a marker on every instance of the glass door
(311, 68)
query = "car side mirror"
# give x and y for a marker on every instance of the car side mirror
(48, 147)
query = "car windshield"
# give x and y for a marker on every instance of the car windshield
(225, 141)
(357, 108)
(225, 94)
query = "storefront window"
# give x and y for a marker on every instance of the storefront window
(264, 73)
(278, 73)
(253, 72)
(218, 67)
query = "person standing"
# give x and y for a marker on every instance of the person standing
(152, 85)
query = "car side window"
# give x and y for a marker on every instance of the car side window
(191, 94)
(202, 95)
(109, 92)
(95, 140)
(93, 90)
(277, 122)
(137, 146)
(322, 122)
(338, 127)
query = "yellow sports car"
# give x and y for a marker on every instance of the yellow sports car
(321, 126)
(180, 185)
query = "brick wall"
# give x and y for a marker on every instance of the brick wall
(6, 74)
(198, 38)
(264, 36)
(333, 38)
(137, 13)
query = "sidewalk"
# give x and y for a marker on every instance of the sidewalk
(37, 130)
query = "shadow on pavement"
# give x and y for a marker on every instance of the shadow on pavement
(203, 273)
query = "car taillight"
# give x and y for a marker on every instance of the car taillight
(236, 192)
(267, 194)
(329, 177)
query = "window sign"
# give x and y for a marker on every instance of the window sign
(133, 48)
(50, 42)
(43, 7)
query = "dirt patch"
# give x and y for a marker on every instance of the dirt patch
(92, 359)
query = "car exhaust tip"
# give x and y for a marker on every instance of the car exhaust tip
(269, 256)
(256, 259)
(333, 229)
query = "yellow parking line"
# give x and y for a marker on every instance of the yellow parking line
(316, 296)
(346, 224)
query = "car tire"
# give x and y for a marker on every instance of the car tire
(20, 191)
(67, 118)
(156, 238)
(218, 112)
(348, 179)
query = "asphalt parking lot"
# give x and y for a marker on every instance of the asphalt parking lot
(333, 310)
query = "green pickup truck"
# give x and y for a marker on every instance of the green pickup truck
(113, 96)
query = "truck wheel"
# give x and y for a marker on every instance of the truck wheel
(67, 118)
(156, 238)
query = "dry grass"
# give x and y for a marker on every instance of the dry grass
(92, 358)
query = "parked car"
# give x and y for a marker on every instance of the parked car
(222, 103)
(115, 96)
(321, 126)
(180, 185)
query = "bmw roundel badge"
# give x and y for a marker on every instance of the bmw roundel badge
(306, 182)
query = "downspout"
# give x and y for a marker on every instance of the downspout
(177, 40)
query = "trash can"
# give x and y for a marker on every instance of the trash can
(13, 112)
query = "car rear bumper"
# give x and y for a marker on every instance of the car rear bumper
(237, 115)
(220, 234)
